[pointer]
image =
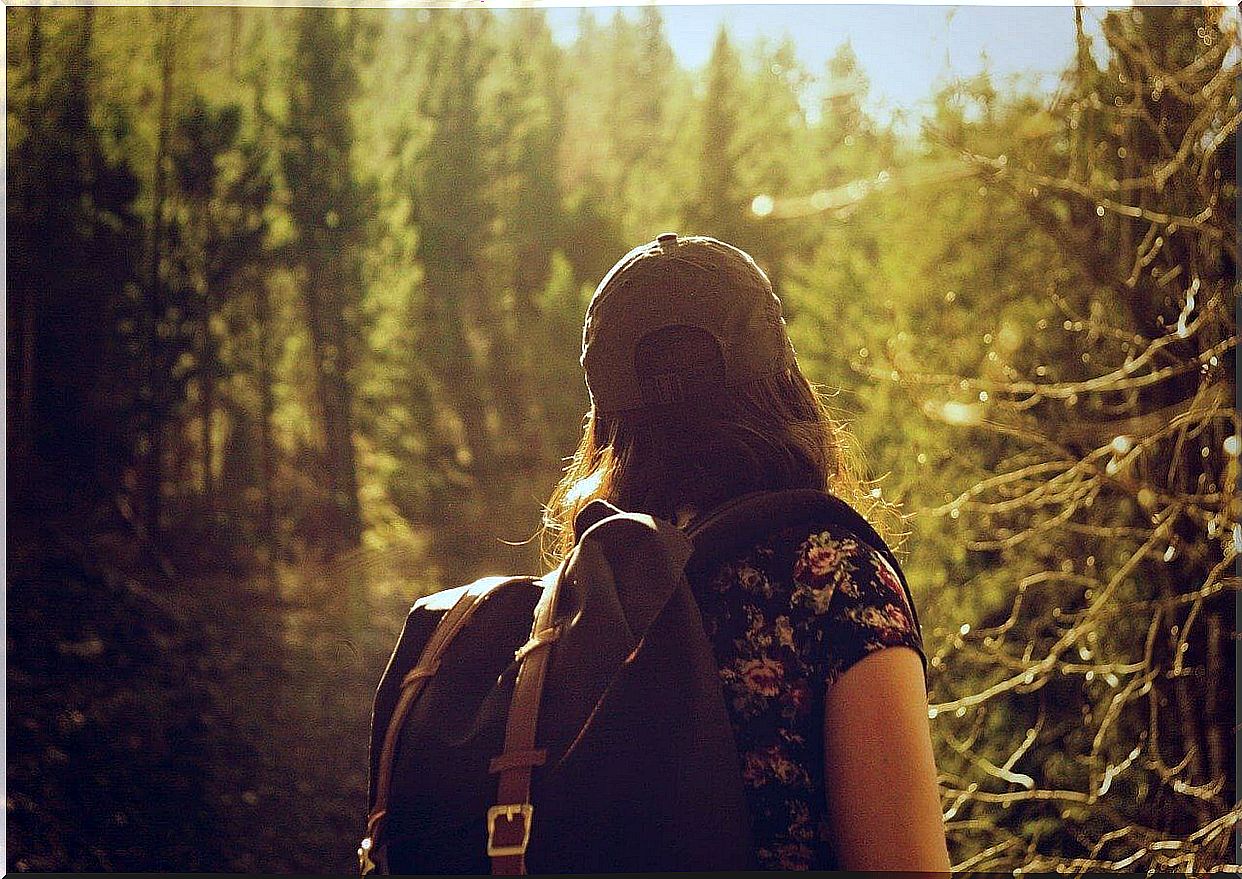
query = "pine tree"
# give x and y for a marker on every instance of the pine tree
(530, 114)
(453, 214)
(719, 205)
(528, 107)
(72, 264)
(330, 208)
(644, 99)
(777, 155)
(221, 190)
(844, 134)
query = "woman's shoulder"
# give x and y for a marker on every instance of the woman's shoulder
(809, 564)
(836, 586)
(858, 594)
(831, 558)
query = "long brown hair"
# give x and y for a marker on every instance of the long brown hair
(776, 432)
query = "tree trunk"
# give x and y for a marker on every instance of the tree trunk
(459, 372)
(207, 392)
(234, 35)
(328, 339)
(267, 405)
(509, 377)
(207, 387)
(29, 306)
(154, 380)
(1215, 727)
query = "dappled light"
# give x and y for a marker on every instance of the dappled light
(295, 307)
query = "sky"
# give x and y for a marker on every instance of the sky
(905, 50)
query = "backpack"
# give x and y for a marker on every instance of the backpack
(574, 722)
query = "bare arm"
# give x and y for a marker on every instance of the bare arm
(880, 772)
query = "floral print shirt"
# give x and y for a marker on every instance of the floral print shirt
(786, 620)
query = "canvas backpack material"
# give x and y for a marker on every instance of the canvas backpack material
(634, 766)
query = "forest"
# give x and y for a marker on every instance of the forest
(294, 308)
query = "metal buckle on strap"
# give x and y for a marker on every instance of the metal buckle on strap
(510, 812)
(365, 864)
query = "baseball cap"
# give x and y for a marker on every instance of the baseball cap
(679, 321)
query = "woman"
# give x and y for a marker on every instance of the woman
(697, 398)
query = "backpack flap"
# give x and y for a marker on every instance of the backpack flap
(642, 770)
(619, 577)
(639, 555)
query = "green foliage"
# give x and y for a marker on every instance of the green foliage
(719, 204)
(1105, 481)
(312, 281)
(330, 208)
(72, 262)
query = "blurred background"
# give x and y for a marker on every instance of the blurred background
(294, 300)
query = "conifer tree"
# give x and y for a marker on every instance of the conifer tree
(222, 190)
(845, 135)
(72, 268)
(645, 112)
(529, 115)
(330, 208)
(453, 213)
(719, 205)
(530, 122)
(777, 155)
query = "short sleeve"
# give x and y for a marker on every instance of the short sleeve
(855, 603)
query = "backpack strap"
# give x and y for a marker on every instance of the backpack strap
(371, 852)
(509, 821)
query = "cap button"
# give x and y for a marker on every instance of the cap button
(667, 240)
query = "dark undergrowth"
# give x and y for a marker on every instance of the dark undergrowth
(180, 715)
